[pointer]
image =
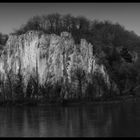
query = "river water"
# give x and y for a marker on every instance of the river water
(102, 120)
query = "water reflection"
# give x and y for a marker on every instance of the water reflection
(120, 119)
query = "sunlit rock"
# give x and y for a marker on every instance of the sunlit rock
(52, 59)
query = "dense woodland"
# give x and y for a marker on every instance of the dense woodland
(112, 44)
(100, 33)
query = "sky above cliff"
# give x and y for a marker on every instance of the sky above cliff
(13, 15)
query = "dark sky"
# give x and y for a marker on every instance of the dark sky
(12, 15)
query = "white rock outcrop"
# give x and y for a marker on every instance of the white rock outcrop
(50, 59)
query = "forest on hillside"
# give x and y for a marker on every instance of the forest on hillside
(111, 41)
(100, 33)
(113, 45)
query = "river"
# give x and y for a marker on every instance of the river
(100, 120)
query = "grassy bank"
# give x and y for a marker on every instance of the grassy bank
(69, 102)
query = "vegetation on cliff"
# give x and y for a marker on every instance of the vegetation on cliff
(64, 57)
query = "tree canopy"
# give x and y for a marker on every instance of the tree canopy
(99, 33)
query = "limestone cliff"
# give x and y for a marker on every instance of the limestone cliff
(51, 60)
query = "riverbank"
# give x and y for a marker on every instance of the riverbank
(69, 102)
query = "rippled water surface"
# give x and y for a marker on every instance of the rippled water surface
(117, 119)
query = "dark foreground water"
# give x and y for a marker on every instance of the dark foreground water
(117, 119)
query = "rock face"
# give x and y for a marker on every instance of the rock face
(51, 61)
